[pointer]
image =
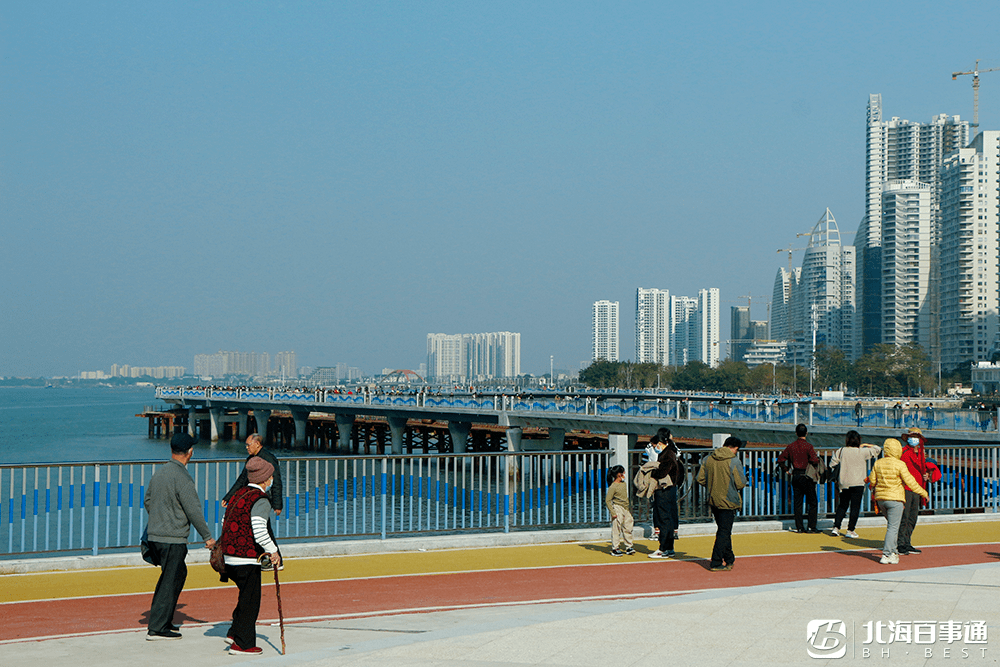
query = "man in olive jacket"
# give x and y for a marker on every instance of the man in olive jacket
(723, 477)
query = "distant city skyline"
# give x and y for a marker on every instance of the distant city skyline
(340, 179)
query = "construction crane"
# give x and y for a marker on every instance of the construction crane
(975, 88)
(750, 298)
(790, 250)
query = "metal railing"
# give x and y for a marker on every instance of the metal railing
(89, 507)
(970, 482)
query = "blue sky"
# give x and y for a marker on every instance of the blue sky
(340, 179)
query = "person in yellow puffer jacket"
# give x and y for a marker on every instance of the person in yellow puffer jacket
(889, 474)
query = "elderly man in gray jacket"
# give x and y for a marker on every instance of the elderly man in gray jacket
(173, 505)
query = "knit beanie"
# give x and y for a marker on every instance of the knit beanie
(258, 470)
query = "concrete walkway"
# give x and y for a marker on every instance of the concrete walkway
(566, 603)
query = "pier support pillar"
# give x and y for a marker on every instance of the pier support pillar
(459, 435)
(514, 439)
(513, 445)
(192, 422)
(345, 424)
(555, 441)
(241, 425)
(620, 443)
(214, 417)
(397, 429)
(300, 418)
(261, 417)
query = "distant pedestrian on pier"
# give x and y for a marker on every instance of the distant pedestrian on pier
(858, 412)
(173, 505)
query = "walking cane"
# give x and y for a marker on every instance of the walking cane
(265, 561)
(281, 618)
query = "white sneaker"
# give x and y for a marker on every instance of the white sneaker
(894, 559)
(835, 532)
(657, 554)
(851, 534)
(885, 560)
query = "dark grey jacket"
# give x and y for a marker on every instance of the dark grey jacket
(173, 505)
(274, 493)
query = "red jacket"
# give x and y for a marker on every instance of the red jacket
(800, 453)
(916, 461)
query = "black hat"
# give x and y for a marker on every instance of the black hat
(181, 442)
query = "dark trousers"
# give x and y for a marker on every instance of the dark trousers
(911, 510)
(173, 573)
(722, 551)
(850, 496)
(803, 488)
(244, 627)
(665, 515)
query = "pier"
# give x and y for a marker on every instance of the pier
(325, 420)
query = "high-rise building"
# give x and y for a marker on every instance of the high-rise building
(652, 326)
(473, 357)
(781, 300)
(444, 357)
(740, 337)
(605, 330)
(897, 150)
(906, 264)
(815, 304)
(682, 328)
(706, 332)
(284, 365)
(492, 355)
(970, 203)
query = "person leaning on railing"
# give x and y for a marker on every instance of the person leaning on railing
(853, 460)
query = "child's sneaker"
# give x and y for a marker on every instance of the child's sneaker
(851, 535)
(617, 552)
(630, 551)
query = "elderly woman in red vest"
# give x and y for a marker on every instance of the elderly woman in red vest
(245, 540)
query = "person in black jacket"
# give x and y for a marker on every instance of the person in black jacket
(255, 447)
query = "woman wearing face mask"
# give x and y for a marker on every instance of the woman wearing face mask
(924, 472)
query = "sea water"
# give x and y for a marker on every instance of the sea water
(87, 424)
